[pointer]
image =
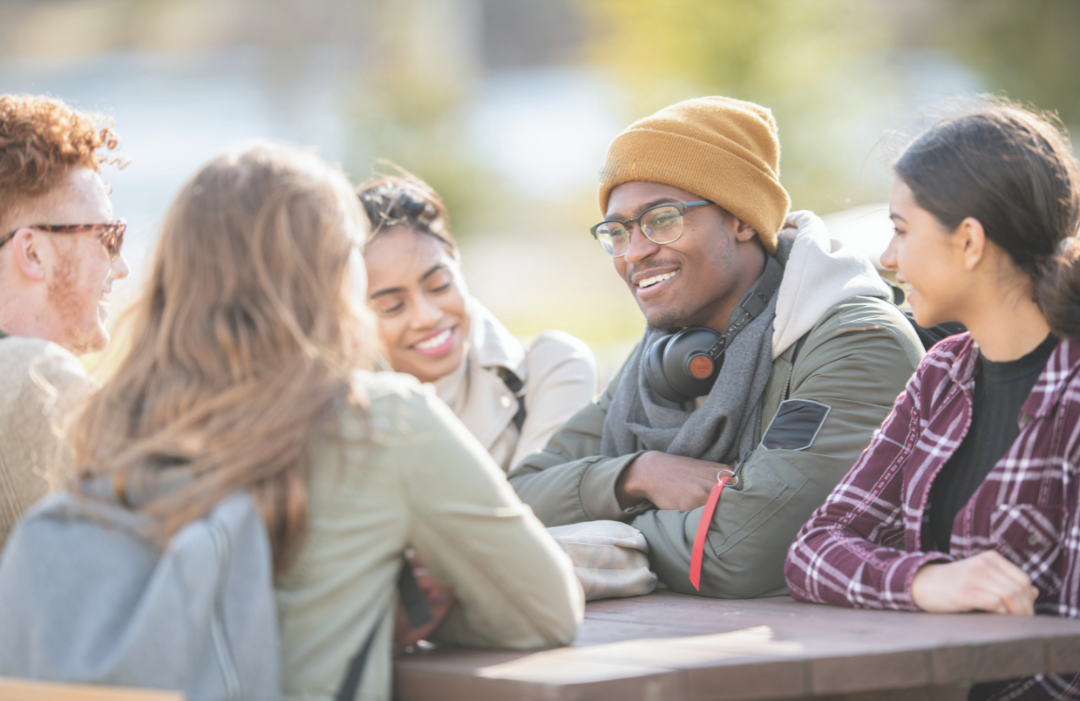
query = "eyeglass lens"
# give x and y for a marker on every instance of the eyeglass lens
(662, 224)
(113, 238)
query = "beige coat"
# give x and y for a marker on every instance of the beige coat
(557, 372)
(38, 381)
(417, 479)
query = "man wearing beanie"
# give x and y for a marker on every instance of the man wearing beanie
(807, 352)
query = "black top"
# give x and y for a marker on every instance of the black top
(1000, 392)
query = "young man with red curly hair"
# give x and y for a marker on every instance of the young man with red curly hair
(59, 254)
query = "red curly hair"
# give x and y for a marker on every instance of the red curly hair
(41, 140)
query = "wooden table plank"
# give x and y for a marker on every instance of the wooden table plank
(462, 676)
(31, 690)
(681, 648)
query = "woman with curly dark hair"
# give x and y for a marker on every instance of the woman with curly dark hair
(512, 398)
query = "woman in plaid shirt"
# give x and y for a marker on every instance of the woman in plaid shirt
(967, 498)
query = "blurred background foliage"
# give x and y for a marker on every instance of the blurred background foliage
(506, 106)
(835, 71)
(1027, 50)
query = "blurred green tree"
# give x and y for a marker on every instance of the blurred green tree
(837, 73)
(419, 71)
(1027, 50)
(800, 59)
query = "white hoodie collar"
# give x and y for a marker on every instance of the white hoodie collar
(819, 274)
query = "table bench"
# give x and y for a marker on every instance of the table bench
(673, 647)
(29, 690)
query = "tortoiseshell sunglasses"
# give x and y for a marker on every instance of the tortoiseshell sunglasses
(111, 235)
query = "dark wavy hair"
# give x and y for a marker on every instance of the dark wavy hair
(402, 199)
(1013, 170)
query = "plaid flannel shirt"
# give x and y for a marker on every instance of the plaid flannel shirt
(863, 546)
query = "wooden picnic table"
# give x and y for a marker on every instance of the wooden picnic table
(673, 647)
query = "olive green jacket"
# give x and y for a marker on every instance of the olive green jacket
(856, 359)
(405, 473)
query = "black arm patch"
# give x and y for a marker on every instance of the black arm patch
(796, 425)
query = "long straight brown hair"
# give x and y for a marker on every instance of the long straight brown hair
(240, 346)
(1012, 169)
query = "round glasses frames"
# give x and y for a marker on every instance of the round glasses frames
(661, 224)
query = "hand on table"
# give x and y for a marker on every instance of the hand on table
(440, 600)
(985, 582)
(668, 481)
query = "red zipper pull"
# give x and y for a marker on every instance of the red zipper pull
(698, 553)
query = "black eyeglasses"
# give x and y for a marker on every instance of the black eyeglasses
(660, 224)
(111, 235)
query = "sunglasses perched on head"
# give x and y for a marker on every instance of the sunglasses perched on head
(110, 235)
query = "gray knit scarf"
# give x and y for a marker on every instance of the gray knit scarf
(729, 421)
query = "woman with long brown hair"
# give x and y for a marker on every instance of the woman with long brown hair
(247, 368)
(968, 498)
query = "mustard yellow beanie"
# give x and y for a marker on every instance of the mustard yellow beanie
(718, 148)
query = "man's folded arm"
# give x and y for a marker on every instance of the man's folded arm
(569, 481)
(855, 365)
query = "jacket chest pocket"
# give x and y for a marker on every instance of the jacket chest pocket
(1030, 537)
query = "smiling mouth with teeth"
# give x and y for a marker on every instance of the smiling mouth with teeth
(435, 341)
(649, 282)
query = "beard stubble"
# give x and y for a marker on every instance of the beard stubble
(63, 298)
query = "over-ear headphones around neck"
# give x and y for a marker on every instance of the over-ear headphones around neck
(683, 365)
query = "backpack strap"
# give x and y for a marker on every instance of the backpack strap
(514, 384)
(416, 610)
(351, 683)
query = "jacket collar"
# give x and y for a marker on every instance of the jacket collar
(476, 390)
(1054, 379)
(491, 345)
(1062, 366)
(963, 370)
